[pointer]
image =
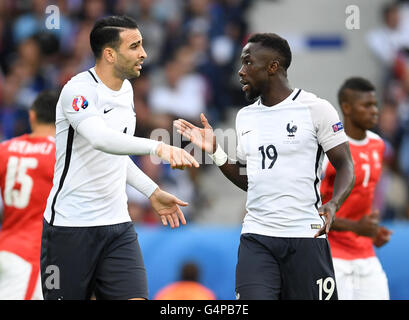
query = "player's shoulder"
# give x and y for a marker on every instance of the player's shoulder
(83, 80)
(313, 101)
(374, 138)
(4, 145)
(81, 84)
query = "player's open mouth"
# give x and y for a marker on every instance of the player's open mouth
(245, 86)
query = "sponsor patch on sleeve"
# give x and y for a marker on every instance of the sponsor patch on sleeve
(337, 127)
(79, 102)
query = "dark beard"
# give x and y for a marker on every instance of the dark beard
(125, 73)
(252, 95)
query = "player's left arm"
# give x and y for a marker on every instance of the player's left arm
(341, 160)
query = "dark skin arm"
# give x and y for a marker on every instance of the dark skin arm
(236, 173)
(340, 158)
(367, 226)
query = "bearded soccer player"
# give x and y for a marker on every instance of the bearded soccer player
(282, 137)
(87, 233)
(26, 177)
(356, 228)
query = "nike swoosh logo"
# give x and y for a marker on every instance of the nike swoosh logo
(106, 111)
(246, 132)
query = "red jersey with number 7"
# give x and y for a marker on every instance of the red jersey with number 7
(367, 156)
(26, 178)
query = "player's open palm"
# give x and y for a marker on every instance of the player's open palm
(204, 137)
(166, 206)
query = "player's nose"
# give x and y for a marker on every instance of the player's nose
(143, 54)
(241, 71)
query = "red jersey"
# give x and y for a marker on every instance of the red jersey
(26, 178)
(367, 156)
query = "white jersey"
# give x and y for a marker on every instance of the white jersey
(89, 185)
(283, 147)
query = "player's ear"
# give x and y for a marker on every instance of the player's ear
(346, 108)
(109, 54)
(273, 67)
(32, 117)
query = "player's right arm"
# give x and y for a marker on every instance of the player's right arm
(87, 121)
(205, 139)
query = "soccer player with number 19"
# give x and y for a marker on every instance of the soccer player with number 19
(282, 137)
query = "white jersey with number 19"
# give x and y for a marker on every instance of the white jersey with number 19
(283, 147)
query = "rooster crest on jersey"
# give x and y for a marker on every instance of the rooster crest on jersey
(292, 129)
(79, 102)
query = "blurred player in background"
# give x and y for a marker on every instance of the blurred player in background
(26, 176)
(356, 229)
(188, 287)
(282, 137)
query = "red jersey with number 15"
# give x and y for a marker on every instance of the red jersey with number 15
(367, 156)
(26, 178)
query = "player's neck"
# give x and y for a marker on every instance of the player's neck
(277, 92)
(106, 75)
(42, 131)
(354, 132)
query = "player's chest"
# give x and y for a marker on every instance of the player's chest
(118, 113)
(284, 133)
(367, 165)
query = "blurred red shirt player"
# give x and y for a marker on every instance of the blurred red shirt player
(358, 272)
(26, 177)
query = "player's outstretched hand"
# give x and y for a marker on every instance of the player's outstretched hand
(327, 211)
(166, 206)
(177, 157)
(204, 137)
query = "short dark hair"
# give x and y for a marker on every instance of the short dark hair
(275, 42)
(106, 32)
(44, 106)
(355, 84)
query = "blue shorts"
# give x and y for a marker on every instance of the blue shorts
(77, 262)
(274, 268)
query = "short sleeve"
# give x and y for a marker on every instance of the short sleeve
(329, 128)
(78, 102)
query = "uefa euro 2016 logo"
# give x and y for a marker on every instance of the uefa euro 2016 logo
(79, 102)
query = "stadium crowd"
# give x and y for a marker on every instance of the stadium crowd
(193, 51)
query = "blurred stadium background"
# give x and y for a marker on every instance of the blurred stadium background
(193, 48)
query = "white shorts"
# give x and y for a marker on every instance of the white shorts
(361, 279)
(19, 279)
